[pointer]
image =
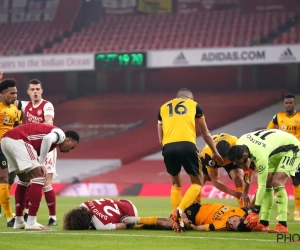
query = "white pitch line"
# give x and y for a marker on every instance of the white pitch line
(139, 235)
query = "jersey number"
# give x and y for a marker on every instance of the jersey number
(106, 209)
(264, 135)
(48, 161)
(288, 161)
(183, 109)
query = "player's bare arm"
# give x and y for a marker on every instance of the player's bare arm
(248, 173)
(48, 119)
(214, 177)
(197, 228)
(47, 141)
(245, 195)
(160, 133)
(208, 139)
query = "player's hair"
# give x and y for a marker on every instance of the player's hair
(77, 219)
(223, 147)
(7, 83)
(34, 82)
(289, 95)
(242, 227)
(236, 152)
(183, 93)
(72, 134)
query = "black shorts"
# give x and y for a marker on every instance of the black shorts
(3, 161)
(227, 168)
(297, 174)
(192, 211)
(183, 154)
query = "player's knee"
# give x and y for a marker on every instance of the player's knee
(24, 177)
(11, 178)
(279, 179)
(196, 179)
(3, 177)
(276, 183)
(49, 179)
(176, 184)
(36, 173)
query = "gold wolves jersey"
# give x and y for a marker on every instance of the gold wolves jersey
(8, 117)
(206, 152)
(289, 124)
(20, 113)
(214, 216)
(177, 118)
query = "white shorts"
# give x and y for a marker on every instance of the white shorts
(21, 156)
(50, 162)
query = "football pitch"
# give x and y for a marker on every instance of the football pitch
(139, 239)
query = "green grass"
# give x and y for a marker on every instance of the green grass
(138, 239)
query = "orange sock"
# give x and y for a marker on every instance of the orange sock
(175, 196)
(148, 220)
(238, 200)
(189, 197)
(5, 200)
(297, 198)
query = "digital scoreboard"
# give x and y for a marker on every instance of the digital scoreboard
(121, 60)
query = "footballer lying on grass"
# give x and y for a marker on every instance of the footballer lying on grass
(200, 217)
(107, 214)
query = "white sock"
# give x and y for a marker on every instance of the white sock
(53, 217)
(19, 219)
(26, 210)
(180, 212)
(31, 220)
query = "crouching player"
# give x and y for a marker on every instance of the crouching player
(102, 214)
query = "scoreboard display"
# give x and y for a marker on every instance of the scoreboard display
(121, 60)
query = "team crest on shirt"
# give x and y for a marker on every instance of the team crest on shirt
(225, 209)
(283, 127)
(211, 163)
(39, 112)
(3, 163)
(6, 120)
(296, 122)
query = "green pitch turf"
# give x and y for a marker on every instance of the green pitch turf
(138, 239)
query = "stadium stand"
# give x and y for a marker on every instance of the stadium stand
(28, 26)
(291, 36)
(57, 31)
(212, 29)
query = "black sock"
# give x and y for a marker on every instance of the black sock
(283, 223)
(264, 222)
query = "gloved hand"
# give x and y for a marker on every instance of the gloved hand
(251, 220)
